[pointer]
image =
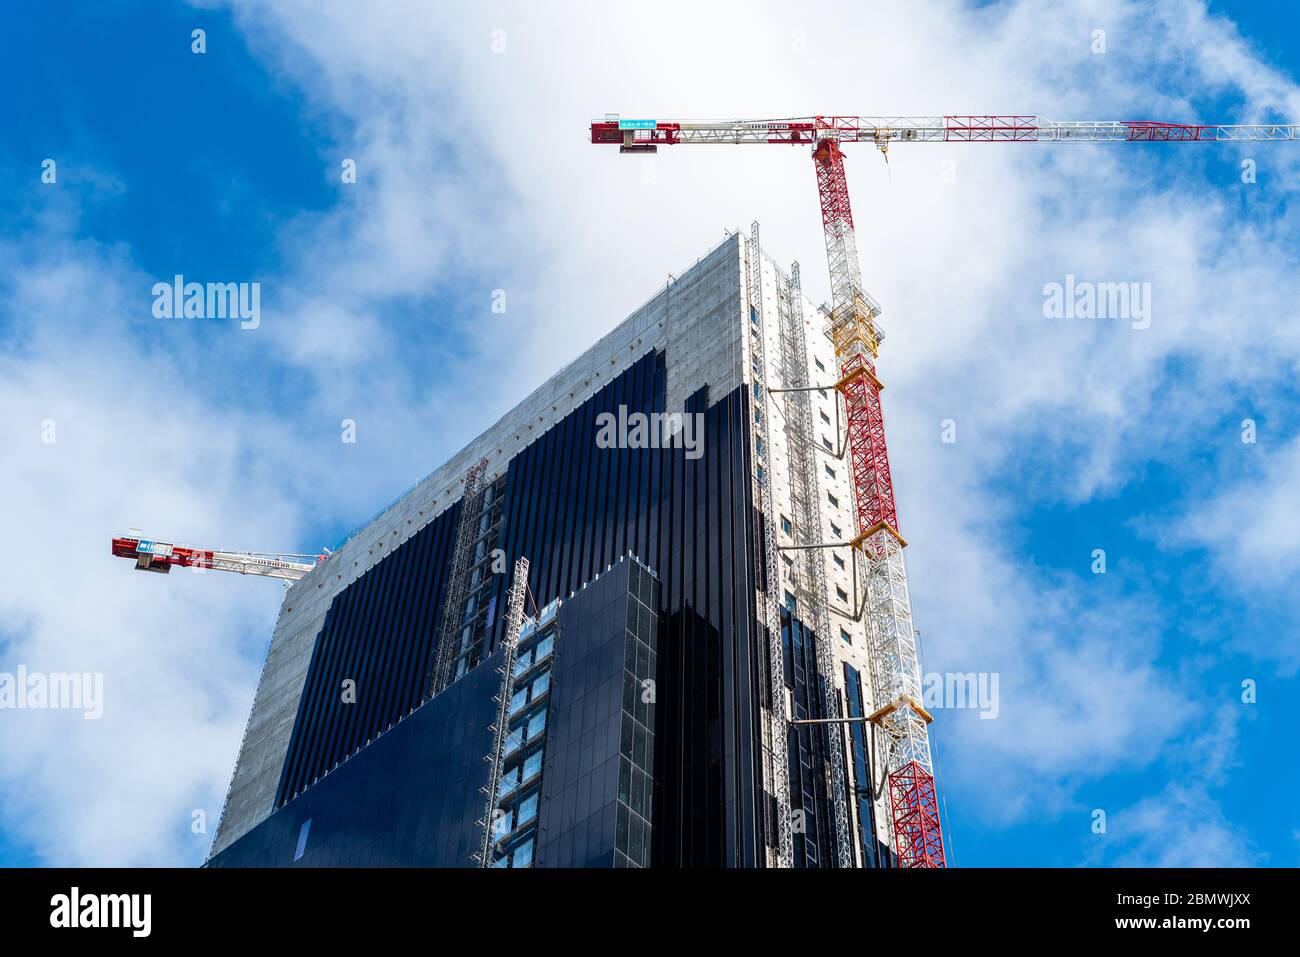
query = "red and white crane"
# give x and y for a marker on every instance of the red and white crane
(895, 670)
(154, 556)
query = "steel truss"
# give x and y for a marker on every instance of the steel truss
(884, 130)
(510, 642)
(453, 610)
(895, 672)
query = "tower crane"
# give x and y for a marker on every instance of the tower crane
(851, 325)
(155, 556)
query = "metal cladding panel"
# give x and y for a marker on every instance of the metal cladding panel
(580, 784)
(413, 798)
(379, 633)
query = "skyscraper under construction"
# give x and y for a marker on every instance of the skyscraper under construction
(623, 627)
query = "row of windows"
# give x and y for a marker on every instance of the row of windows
(636, 747)
(529, 729)
(521, 814)
(635, 787)
(514, 821)
(518, 853)
(535, 655)
(632, 836)
(532, 690)
(806, 744)
(637, 743)
(522, 773)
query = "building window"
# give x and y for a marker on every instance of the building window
(818, 364)
(827, 442)
(523, 854)
(846, 636)
(533, 764)
(825, 418)
(789, 602)
(527, 810)
(302, 839)
(785, 525)
(835, 503)
(838, 561)
(518, 700)
(830, 472)
(841, 594)
(835, 531)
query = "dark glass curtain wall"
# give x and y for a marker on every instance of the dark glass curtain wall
(572, 508)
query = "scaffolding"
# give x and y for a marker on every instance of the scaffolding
(499, 729)
(777, 729)
(452, 636)
(808, 571)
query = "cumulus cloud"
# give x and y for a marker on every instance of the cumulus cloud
(100, 433)
(1181, 824)
(475, 175)
(958, 242)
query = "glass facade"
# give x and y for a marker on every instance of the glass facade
(635, 716)
(413, 797)
(514, 819)
(875, 853)
(807, 745)
(577, 775)
(379, 634)
(602, 717)
(636, 770)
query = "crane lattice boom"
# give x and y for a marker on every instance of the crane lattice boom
(152, 556)
(646, 135)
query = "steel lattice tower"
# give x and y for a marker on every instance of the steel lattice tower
(895, 671)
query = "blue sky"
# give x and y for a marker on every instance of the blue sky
(1120, 691)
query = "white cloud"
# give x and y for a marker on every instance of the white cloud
(579, 235)
(1182, 824)
(474, 174)
(132, 443)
